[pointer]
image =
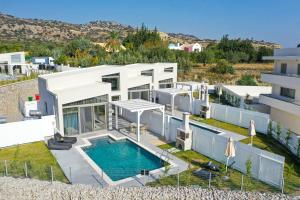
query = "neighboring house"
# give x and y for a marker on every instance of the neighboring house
(79, 98)
(195, 47)
(244, 96)
(285, 80)
(47, 61)
(13, 63)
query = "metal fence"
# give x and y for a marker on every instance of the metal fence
(27, 169)
(212, 145)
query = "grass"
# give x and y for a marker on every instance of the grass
(197, 160)
(38, 159)
(262, 141)
(23, 78)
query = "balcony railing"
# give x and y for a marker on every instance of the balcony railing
(281, 98)
(282, 74)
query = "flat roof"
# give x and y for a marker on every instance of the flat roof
(253, 91)
(192, 83)
(134, 105)
(93, 68)
(173, 91)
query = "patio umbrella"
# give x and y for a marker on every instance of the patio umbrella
(230, 150)
(251, 131)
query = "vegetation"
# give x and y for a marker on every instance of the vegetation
(262, 141)
(247, 80)
(37, 158)
(24, 78)
(223, 67)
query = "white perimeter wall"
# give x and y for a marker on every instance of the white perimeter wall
(26, 131)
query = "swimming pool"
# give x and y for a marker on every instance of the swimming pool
(121, 159)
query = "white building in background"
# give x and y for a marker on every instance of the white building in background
(79, 98)
(245, 96)
(13, 63)
(285, 80)
(195, 47)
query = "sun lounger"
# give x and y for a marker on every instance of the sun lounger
(201, 173)
(53, 145)
(60, 139)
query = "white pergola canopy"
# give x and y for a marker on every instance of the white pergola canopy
(173, 92)
(138, 106)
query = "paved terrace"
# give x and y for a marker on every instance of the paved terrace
(79, 171)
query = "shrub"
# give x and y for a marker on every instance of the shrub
(270, 128)
(223, 67)
(278, 131)
(247, 80)
(288, 137)
(298, 150)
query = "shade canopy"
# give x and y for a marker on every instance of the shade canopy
(135, 105)
(230, 150)
(251, 131)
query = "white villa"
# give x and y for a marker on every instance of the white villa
(195, 47)
(79, 98)
(13, 63)
(285, 80)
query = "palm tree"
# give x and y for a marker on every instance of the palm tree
(113, 44)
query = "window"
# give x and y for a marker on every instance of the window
(94, 100)
(167, 83)
(283, 68)
(169, 69)
(287, 92)
(114, 79)
(16, 58)
(147, 72)
(46, 108)
(115, 98)
(298, 71)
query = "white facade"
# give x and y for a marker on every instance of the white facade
(195, 47)
(285, 80)
(15, 61)
(107, 82)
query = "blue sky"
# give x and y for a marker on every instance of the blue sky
(269, 20)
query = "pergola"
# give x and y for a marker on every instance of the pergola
(139, 106)
(173, 92)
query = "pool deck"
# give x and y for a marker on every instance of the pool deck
(79, 171)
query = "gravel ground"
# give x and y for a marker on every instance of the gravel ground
(20, 189)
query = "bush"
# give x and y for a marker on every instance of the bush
(223, 67)
(247, 80)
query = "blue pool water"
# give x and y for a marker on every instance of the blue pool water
(122, 158)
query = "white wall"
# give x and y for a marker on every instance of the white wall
(26, 131)
(240, 117)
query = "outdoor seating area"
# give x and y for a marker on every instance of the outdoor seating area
(59, 142)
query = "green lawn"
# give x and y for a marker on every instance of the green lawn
(38, 159)
(197, 160)
(262, 141)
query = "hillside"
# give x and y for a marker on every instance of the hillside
(13, 28)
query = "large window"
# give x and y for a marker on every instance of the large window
(287, 92)
(167, 83)
(99, 99)
(298, 70)
(114, 79)
(283, 68)
(140, 92)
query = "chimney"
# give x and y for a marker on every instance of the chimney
(186, 121)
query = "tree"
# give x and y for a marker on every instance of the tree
(113, 44)
(81, 44)
(206, 57)
(270, 128)
(278, 131)
(247, 80)
(288, 137)
(223, 67)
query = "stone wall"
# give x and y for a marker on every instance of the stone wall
(10, 95)
(20, 189)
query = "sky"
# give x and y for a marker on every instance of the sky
(270, 20)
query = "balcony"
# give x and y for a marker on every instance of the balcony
(287, 80)
(281, 103)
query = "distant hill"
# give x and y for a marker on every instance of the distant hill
(13, 28)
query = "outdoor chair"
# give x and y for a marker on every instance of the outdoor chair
(53, 145)
(60, 139)
(212, 166)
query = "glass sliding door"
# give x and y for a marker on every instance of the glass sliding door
(71, 126)
(86, 119)
(99, 117)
